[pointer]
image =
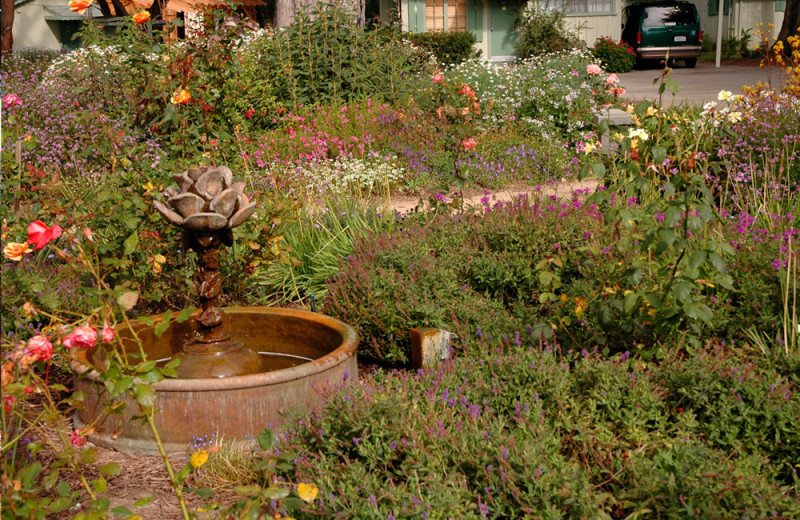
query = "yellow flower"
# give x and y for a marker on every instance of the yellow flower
(181, 97)
(589, 147)
(141, 17)
(307, 492)
(14, 251)
(735, 117)
(580, 306)
(651, 110)
(639, 133)
(724, 95)
(79, 6)
(198, 458)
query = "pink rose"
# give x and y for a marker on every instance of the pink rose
(40, 347)
(11, 101)
(469, 144)
(437, 78)
(593, 69)
(611, 79)
(77, 438)
(108, 334)
(81, 337)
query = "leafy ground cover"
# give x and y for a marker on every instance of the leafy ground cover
(626, 353)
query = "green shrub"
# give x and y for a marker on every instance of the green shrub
(348, 63)
(615, 56)
(449, 48)
(542, 32)
(522, 427)
(317, 244)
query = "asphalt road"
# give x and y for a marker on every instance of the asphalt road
(698, 85)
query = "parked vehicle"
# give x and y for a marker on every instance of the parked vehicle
(664, 29)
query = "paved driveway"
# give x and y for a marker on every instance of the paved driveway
(698, 85)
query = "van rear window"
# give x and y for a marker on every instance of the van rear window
(668, 16)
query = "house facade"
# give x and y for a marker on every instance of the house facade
(50, 25)
(47, 24)
(492, 21)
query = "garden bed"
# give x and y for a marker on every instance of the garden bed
(627, 318)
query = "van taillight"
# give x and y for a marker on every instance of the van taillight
(700, 36)
(638, 38)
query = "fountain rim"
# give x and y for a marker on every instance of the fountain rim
(347, 348)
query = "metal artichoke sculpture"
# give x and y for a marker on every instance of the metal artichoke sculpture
(207, 200)
(208, 205)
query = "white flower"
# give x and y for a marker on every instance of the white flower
(724, 95)
(735, 117)
(638, 133)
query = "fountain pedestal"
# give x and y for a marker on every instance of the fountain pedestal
(242, 369)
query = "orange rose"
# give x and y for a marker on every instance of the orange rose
(79, 6)
(15, 251)
(141, 17)
(181, 97)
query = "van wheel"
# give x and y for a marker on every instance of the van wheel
(690, 62)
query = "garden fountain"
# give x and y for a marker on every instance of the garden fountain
(241, 368)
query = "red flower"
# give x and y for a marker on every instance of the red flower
(39, 234)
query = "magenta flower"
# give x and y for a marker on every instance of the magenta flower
(11, 101)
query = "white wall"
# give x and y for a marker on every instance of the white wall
(590, 28)
(31, 30)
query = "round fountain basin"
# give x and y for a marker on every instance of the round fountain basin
(308, 355)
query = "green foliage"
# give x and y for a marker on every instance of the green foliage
(348, 63)
(525, 427)
(449, 48)
(542, 32)
(656, 187)
(615, 56)
(316, 245)
(476, 271)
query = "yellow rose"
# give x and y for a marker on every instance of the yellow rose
(14, 251)
(198, 458)
(141, 17)
(181, 97)
(79, 6)
(307, 492)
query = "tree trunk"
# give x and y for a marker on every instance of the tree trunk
(105, 8)
(284, 12)
(791, 22)
(6, 26)
(119, 9)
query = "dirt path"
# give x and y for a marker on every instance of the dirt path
(474, 198)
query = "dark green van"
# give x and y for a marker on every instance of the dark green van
(656, 30)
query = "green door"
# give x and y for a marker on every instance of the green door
(502, 36)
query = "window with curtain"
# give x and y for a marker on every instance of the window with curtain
(578, 6)
(445, 15)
